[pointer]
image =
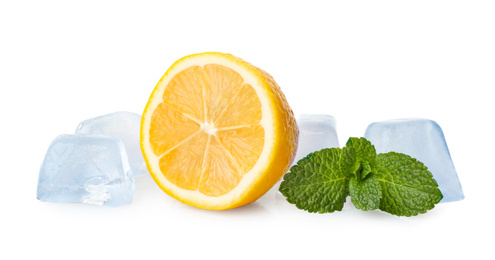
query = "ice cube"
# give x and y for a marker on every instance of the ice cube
(125, 126)
(88, 169)
(316, 131)
(422, 139)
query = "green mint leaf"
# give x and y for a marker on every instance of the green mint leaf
(365, 170)
(358, 158)
(365, 194)
(316, 183)
(408, 188)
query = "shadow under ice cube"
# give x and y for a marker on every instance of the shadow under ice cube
(422, 139)
(89, 169)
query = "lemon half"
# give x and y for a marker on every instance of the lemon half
(217, 132)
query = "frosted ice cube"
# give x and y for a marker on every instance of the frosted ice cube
(87, 169)
(422, 139)
(125, 126)
(316, 132)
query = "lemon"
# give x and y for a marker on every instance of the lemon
(217, 132)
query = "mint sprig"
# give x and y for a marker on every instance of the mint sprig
(393, 182)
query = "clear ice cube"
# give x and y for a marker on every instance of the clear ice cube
(125, 126)
(316, 132)
(89, 169)
(422, 139)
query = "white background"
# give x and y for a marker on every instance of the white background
(360, 61)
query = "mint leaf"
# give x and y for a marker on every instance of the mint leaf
(316, 183)
(358, 158)
(365, 194)
(358, 161)
(408, 188)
